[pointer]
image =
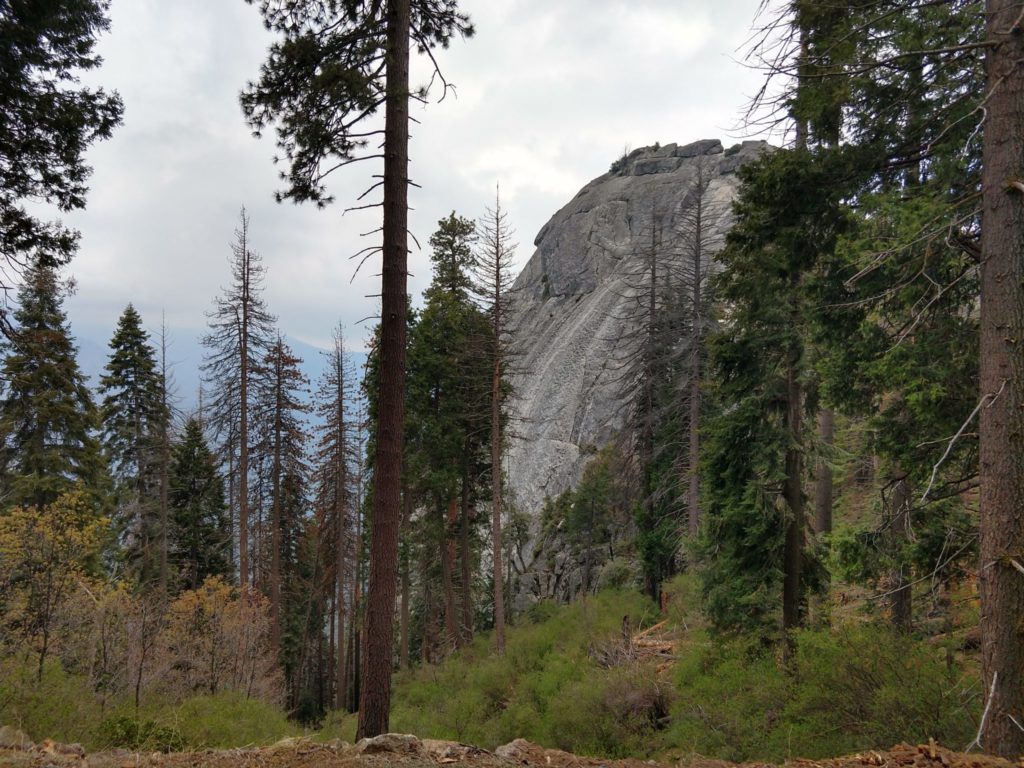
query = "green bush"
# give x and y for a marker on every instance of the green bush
(128, 732)
(615, 713)
(846, 690)
(226, 720)
(730, 696)
(478, 697)
(58, 706)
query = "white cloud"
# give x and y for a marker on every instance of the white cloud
(549, 91)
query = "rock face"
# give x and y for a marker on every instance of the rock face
(569, 311)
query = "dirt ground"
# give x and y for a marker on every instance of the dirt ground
(393, 751)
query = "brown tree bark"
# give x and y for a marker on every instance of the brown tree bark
(451, 630)
(404, 616)
(794, 495)
(1001, 585)
(466, 565)
(901, 591)
(375, 686)
(823, 476)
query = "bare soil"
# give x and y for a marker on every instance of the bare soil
(303, 753)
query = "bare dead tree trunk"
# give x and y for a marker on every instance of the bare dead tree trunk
(1002, 377)
(696, 349)
(243, 423)
(165, 456)
(375, 689)
(275, 515)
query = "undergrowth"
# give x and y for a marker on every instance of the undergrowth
(853, 687)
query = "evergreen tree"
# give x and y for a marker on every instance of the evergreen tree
(199, 526)
(335, 460)
(133, 418)
(450, 379)
(280, 412)
(787, 217)
(49, 121)
(47, 417)
(338, 64)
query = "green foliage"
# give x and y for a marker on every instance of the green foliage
(847, 690)
(133, 419)
(56, 705)
(47, 417)
(199, 534)
(788, 219)
(49, 120)
(323, 79)
(123, 731)
(131, 409)
(485, 699)
(226, 720)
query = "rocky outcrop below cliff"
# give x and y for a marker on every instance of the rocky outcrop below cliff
(571, 319)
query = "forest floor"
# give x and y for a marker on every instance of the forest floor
(408, 752)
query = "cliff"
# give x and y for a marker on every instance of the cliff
(569, 312)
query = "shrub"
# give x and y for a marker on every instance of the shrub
(57, 706)
(140, 735)
(226, 720)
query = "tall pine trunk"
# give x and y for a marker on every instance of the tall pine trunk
(448, 520)
(794, 496)
(465, 562)
(1001, 584)
(375, 687)
(823, 476)
(404, 617)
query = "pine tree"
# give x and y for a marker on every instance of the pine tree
(787, 216)
(450, 378)
(198, 539)
(47, 417)
(281, 409)
(338, 65)
(133, 417)
(334, 477)
(49, 122)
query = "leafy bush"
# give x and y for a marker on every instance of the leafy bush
(485, 699)
(145, 735)
(611, 712)
(56, 706)
(226, 720)
(847, 690)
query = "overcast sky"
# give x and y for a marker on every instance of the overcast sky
(549, 94)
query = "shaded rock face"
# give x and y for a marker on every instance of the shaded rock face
(571, 319)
